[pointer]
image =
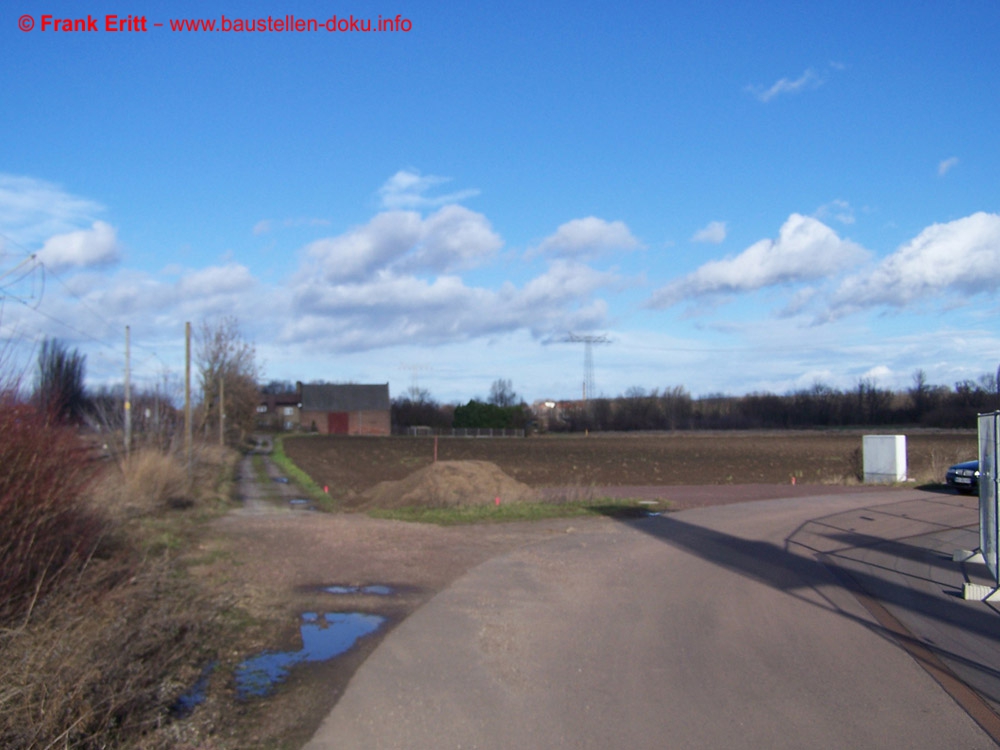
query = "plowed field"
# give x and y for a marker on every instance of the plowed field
(349, 465)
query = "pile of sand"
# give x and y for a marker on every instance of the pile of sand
(447, 484)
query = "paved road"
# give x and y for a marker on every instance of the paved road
(714, 627)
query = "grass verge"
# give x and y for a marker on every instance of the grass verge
(303, 480)
(611, 507)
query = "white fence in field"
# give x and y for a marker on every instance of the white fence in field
(468, 432)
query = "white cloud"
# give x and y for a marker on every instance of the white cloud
(262, 227)
(233, 278)
(946, 165)
(808, 80)
(194, 294)
(389, 309)
(393, 281)
(451, 238)
(961, 256)
(564, 281)
(799, 301)
(879, 374)
(363, 250)
(837, 209)
(83, 248)
(806, 249)
(454, 238)
(408, 189)
(32, 210)
(588, 237)
(714, 233)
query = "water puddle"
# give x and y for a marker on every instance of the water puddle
(280, 480)
(648, 512)
(301, 503)
(187, 703)
(377, 589)
(323, 637)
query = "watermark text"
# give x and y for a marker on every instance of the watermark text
(115, 23)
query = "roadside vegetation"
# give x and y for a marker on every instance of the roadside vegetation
(509, 512)
(303, 480)
(100, 628)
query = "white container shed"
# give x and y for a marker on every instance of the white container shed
(884, 458)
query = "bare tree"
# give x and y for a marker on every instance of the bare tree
(59, 386)
(227, 363)
(502, 393)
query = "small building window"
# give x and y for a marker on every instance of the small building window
(262, 409)
(289, 411)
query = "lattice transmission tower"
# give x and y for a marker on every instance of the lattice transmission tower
(588, 341)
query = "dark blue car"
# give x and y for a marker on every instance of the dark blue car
(964, 477)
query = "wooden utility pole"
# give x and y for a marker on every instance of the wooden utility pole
(128, 391)
(222, 411)
(188, 438)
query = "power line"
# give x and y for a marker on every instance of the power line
(35, 264)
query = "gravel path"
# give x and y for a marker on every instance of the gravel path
(276, 496)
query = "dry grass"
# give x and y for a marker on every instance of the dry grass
(146, 482)
(100, 629)
(101, 663)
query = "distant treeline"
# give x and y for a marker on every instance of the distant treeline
(408, 412)
(865, 405)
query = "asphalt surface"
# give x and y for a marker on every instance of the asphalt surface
(824, 622)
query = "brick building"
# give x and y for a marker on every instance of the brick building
(345, 409)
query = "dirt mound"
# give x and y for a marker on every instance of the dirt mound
(447, 484)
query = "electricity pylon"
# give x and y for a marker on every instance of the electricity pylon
(588, 341)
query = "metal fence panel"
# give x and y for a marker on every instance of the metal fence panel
(988, 479)
(489, 432)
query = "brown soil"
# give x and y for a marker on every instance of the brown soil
(272, 562)
(449, 484)
(351, 465)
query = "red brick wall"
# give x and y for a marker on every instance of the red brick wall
(358, 422)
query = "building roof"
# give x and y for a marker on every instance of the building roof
(341, 398)
(279, 399)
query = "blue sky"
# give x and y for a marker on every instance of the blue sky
(740, 196)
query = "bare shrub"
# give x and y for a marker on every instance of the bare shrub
(107, 650)
(47, 532)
